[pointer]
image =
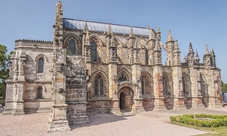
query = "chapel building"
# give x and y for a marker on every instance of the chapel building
(93, 67)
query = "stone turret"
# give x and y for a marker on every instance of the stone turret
(170, 48)
(190, 56)
(207, 60)
(177, 59)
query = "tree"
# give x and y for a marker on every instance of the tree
(4, 69)
(224, 87)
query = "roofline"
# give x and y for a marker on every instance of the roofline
(106, 23)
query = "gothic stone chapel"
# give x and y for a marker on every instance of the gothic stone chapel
(92, 67)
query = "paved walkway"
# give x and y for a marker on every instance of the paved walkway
(154, 123)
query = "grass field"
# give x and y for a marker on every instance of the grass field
(218, 131)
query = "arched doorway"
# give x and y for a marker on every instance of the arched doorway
(125, 99)
(122, 101)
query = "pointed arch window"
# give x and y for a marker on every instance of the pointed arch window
(184, 85)
(93, 51)
(143, 84)
(40, 93)
(99, 86)
(146, 56)
(71, 48)
(40, 65)
(166, 91)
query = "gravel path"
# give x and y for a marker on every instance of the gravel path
(154, 123)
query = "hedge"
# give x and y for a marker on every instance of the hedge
(201, 120)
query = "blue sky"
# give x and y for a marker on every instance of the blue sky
(198, 21)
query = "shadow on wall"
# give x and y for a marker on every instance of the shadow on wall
(169, 103)
(102, 119)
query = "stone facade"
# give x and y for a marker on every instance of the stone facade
(93, 67)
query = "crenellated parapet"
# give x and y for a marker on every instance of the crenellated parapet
(26, 43)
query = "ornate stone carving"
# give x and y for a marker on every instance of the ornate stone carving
(75, 67)
(22, 65)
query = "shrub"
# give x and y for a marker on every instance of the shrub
(201, 120)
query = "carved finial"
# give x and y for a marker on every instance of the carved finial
(177, 46)
(185, 59)
(169, 38)
(158, 34)
(109, 29)
(197, 56)
(207, 50)
(131, 33)
(212, 51)
(85, 27)
(158, 30)
(190, 49)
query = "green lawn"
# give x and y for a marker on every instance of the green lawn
(218, 131)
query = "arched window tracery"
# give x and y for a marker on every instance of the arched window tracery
(99, 86)
(123, 77)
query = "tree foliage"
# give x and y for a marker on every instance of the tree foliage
(224, 87)
(4, 69)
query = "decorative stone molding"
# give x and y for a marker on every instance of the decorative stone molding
(76, 39)
(126, 74)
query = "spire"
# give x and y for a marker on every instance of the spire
(131, 33)
(212, 51)
(158, 34)
(169, 38)
(207, 50)
(158, 30)
(59, 11)
(190, 49)
(197, 56)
